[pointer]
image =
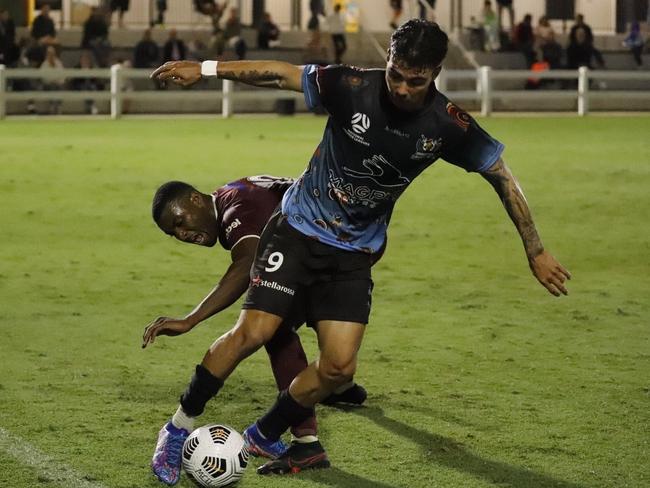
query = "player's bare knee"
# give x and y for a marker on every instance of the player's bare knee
(336, 372)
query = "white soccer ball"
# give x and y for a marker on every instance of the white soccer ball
(215, 455)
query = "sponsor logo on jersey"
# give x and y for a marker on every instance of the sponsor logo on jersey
(348, 194)
(426, 148)
(379, 170)
(274, 285)
(236, 223)
(360, 124)
(459, 116)
(397, 132)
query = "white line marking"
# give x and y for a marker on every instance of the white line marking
(46, 467)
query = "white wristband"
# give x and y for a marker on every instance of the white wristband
(209, 68)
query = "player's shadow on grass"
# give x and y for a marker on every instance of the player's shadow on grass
(341, 479)
(447, 452)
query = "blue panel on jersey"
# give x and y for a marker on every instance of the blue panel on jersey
(310, 86)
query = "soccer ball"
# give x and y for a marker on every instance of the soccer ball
(215, 455)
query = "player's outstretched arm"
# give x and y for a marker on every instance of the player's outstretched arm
(232, 285)
(269, 74)
(548, 271)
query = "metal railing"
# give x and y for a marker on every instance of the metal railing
(483, 80)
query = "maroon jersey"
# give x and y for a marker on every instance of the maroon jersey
(244, 206)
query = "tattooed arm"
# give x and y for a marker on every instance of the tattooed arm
(270, 74)
(548, 271)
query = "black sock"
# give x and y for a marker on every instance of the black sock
(203, 386)
(285, 413)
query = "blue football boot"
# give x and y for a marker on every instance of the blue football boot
(258, 445)
(166, 462)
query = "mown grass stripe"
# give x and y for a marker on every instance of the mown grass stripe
(45, 465)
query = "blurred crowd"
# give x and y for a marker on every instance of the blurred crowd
(538, 43)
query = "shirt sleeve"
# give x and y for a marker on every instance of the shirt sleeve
(321, 87)
(475, 150)
(241, 221)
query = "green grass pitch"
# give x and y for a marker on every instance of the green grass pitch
(477, 376)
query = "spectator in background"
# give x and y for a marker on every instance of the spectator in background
(580, 24)
(9, 52)
(161, 8)
(85, 83)
(337, 30)
(580, 51)
(268, 33)
(316, 8)
(548, 49)
(490, 27)
(232, 33)
(146, 53)
(505, 5)
(121, 6)
(525, 39)
(396, 7)
(174, 49)
(427, 9)
(634, 42)
(53, 63)
(43, 29)
(95, 37)
(476, 34)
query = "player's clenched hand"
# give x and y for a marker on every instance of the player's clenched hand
(550, 273)
(184, 73)
(164, 326)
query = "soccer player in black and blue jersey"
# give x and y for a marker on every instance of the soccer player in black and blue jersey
(385, 127)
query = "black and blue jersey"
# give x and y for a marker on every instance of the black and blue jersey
(370, 153)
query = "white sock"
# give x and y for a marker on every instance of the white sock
(181, 420)
(305, 439)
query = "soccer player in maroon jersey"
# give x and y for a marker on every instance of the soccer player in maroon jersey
(233, 215)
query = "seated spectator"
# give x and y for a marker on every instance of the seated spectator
(634, 42)
(268, 33)
(544, 32)
(43, 29)
(146, 53)
(490, 26)
(9, 52)
(85, 83)
(524, 39)
(174, 49)
(95, 37)
(53, 63)
(580, 51)
(547, 46)
(589, 38)
(232, 33)
(119, 6)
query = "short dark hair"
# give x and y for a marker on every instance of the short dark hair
(168, 192)
(419, 43)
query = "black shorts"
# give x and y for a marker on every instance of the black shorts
(291, 269)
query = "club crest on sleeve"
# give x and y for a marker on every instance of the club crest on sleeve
(459, 116)
(426, 148)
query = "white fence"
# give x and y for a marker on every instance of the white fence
(482, 79)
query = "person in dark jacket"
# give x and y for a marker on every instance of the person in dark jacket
(146, 53)
(174, 49)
